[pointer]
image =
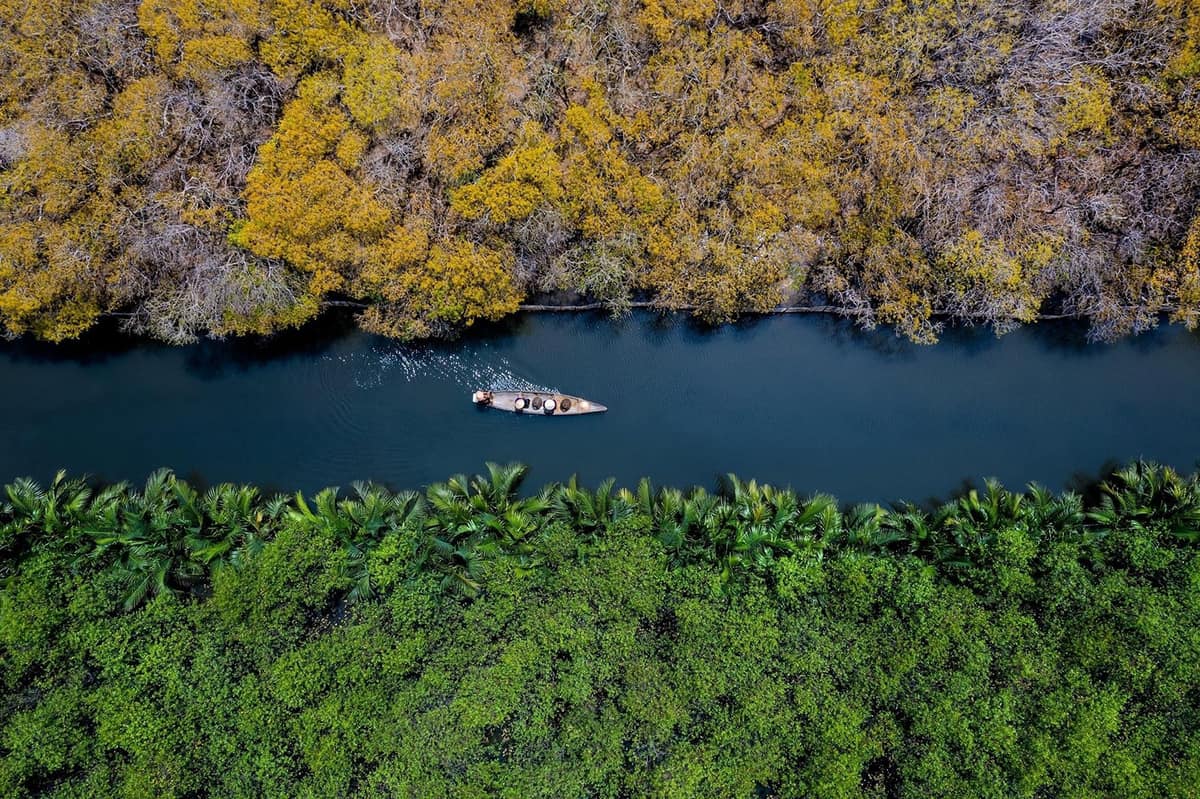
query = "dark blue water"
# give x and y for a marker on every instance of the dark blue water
(802, 401)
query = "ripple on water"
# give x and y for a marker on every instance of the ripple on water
(470, 369)
(341, 410)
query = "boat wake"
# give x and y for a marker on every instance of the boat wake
(472, 370)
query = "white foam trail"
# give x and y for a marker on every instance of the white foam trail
(472, 369)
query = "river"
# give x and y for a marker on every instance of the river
(804, 401)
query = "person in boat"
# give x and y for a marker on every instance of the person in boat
(484, 397)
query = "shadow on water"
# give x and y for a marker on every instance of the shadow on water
(970, 339)
(210, 359)
(1063, 336)
(847, 333)
(1088, 484)
(1071, 337)
(1154, 339)
(509, 327)
(102, 343)
(657, 328)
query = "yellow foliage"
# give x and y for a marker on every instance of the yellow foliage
(473, 82)
(350, 149)
(539, 8)
(373, 83)
(1187, 290)
(950, 107)
(736, 282)
(458, 283)
(792, 167)
(77, 96)
(718, 277)
(44, 283)
(665, 18)
(199, 38)
(1184, 122)
(302, 204)
(50, 172)
(1185, 63)
(213, 54)
(976, 267)
(520, 182)
(766, 101)
(794, 20)
(308, 33)
(841, 20)
(603, 193)
(131, 139)
(455, 153)
(887, 266)
(387, 262)
(757, 216)
(1087, 106)
(18, 259)
(707, 151)
(973, 259)
(165, 22)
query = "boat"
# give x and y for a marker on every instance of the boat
(536, 403)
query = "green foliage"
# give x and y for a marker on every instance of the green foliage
(478, 641)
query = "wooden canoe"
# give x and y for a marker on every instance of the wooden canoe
(536, 402)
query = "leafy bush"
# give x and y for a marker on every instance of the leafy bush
(473, 641)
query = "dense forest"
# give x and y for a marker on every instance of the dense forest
(227, 167)
(479, 641)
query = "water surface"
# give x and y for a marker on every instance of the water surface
(795, 400)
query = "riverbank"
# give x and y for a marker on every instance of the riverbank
(580, 643)
(1054, 156)
(1149, 317)
(1162, 313)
